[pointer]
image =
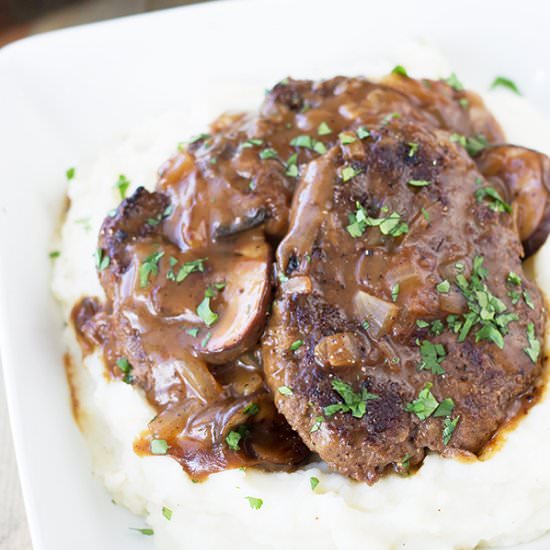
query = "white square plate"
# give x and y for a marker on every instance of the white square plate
(65, 93)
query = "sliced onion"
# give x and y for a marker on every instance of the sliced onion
(342, 349)
(298, 285)
(380, 314)
(453, 302)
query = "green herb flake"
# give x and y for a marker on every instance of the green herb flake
(413, 148)
(365, 325)
(349, 172)
(503, 82)
(126, 368)
(425, 214)
(148, 532)
(493, 198)
(389, 117)
(206, 339)
(362, 132)
(445, 408)
(122, 185)
(425, 404)
(252, 142)
(391, 225)
(419, 183)
(422, 324)
(268, 153)
(303, 141)
(463, 102)
(432, 355)
(296, 345)
(533, 349)
(70, 173)
(395, 292)
(513, 278)
(255, 503)
(150, 266)
(167, 513)
(527, 299)
(454, 82)
(319, 147)
(443, 287)
(193, 331)
(354, 403)
(449, 426)
(473, 145)
(313, 481)
(251, 409)
(102, 261)
(317, 424)
(399, 69)
(346, 138)
(285, 390)
(206, 314)
(54, 254)
(292, 171)
(198, 137)
(159, 446)
(324, 129)
(233, 438)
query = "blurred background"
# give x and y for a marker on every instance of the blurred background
(20, 18)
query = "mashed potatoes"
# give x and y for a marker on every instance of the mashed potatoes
(448, 504)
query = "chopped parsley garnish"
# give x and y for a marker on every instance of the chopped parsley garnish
(445, 408)
(122, 185)
(147, 531)
(124, 365)
(291, 166)
(324, 129)
(492, 196)
(391, 225)
(159, 446)
(365, 325)
(150, 266)
(54, 254)
(296, 344)
(251, 409)
(70, 173)
(198, 137)
(307, 142)
(399, 69)
(432, 356)
(317, 424)
(454, 82)
(473, 145)
(268, 153)
(449, 426)
(206, 339)
(513, 278)
(425, 404)
(285, 390)
(485, 308)
(443, 287)
(193, 331)
(354, 403)
(405, 462)
(233, 438)
(422, 324)
(528, 300)
(255, 503)
(159, 217)
(413, 148)
(251, 143)
(186, 269)
(207, 316)
(388, 118)
(362, 132)
(425, 214)
(533, 349)
(346, 138)
(102, 261)
(463, 102)
(503, 82)
(349, 172)
(395, 292)
(282, 277)
(167, 513)
(313, 481)
(419, 183)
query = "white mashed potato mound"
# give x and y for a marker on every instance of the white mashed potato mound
(447, 504)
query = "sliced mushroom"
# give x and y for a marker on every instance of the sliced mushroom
(526, 175)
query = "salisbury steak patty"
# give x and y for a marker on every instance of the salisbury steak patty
(403, 321)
